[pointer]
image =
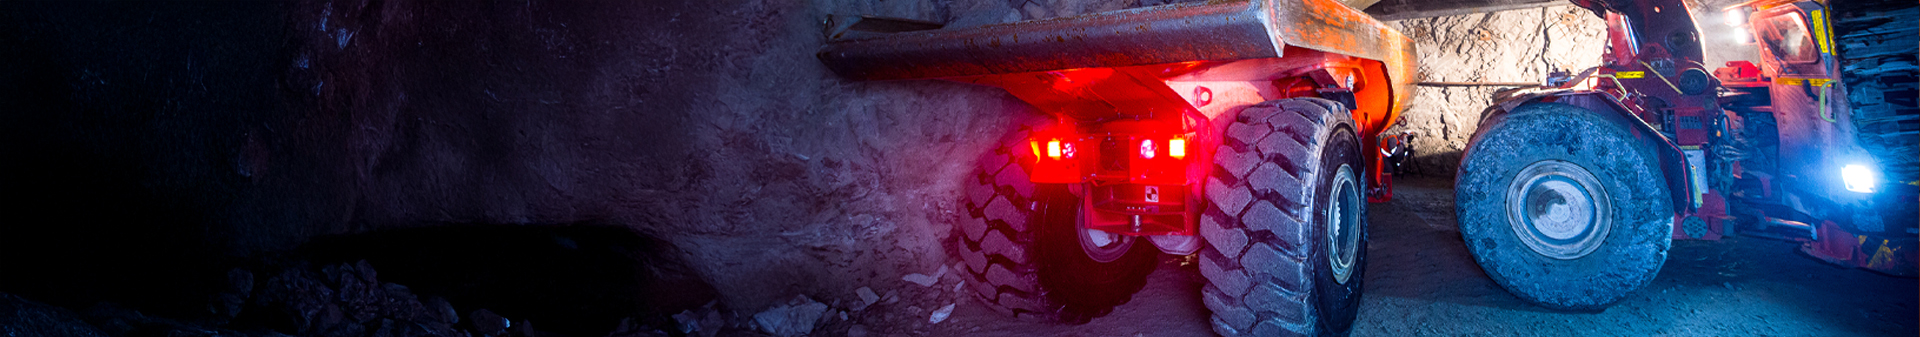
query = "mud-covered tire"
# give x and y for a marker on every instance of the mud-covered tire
(1021, 254)
(1596, 219)
(1270, 203)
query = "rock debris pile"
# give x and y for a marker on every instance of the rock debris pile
(336, 300)
(350, 300)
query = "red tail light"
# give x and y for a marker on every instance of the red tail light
(1058, 166)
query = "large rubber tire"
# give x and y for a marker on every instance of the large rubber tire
(1549, 252)
(1021, 250)
(1270, 204)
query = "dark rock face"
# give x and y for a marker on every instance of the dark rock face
(21, 317)
(486, 322)
(215, 132)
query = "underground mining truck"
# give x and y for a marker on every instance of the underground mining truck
(1246, 132)
(1570, 194)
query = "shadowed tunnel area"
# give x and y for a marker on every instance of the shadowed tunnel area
(578, 279)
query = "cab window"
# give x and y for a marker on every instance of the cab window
(1787, 38)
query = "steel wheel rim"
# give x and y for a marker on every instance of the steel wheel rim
(1558, 209)
(1343, 224)
(1115, 247)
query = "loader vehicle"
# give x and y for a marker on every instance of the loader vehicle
(1570, 194)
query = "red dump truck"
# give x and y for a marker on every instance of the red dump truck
(1246, 132)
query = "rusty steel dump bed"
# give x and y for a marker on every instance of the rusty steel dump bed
(1209, 31)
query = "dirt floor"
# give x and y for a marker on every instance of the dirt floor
(1422, 282)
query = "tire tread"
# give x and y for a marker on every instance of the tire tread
(1257, 274)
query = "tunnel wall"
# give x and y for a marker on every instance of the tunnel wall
(185, 136)
(1521, 45)
(710, 126)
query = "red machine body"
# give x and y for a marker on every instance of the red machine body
(1813, 56)
(1141, 138)
(1657, 85)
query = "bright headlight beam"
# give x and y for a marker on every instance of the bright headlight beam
(1857, 178)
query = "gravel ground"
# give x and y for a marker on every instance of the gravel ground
(1424, 282)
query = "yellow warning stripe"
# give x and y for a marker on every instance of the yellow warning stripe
(1823, 83)
(1820, 31)
(1818, 82)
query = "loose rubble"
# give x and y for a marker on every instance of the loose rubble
(920, 279)
(798, 317)
(703, 321)
(867, 297)
(941, 314)
(925, 280)
(350, 300)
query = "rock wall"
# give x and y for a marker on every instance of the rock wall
(1522, 45)
(1509, 46)
(215, 132)
(708, 125)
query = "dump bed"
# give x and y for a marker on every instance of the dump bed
(1209, 31)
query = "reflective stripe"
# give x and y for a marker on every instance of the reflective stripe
(1820, 31)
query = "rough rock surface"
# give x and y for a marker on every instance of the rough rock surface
(21, 317)
(1510, 46)
(709, 124)
(1522, 45)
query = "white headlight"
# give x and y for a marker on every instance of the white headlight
(1736, 17)
(1858, 178)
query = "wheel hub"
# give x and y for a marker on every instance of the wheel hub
(1102, 246)
(1343, 224)
(1558, 209)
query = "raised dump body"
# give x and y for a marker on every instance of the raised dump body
(1188, 38)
